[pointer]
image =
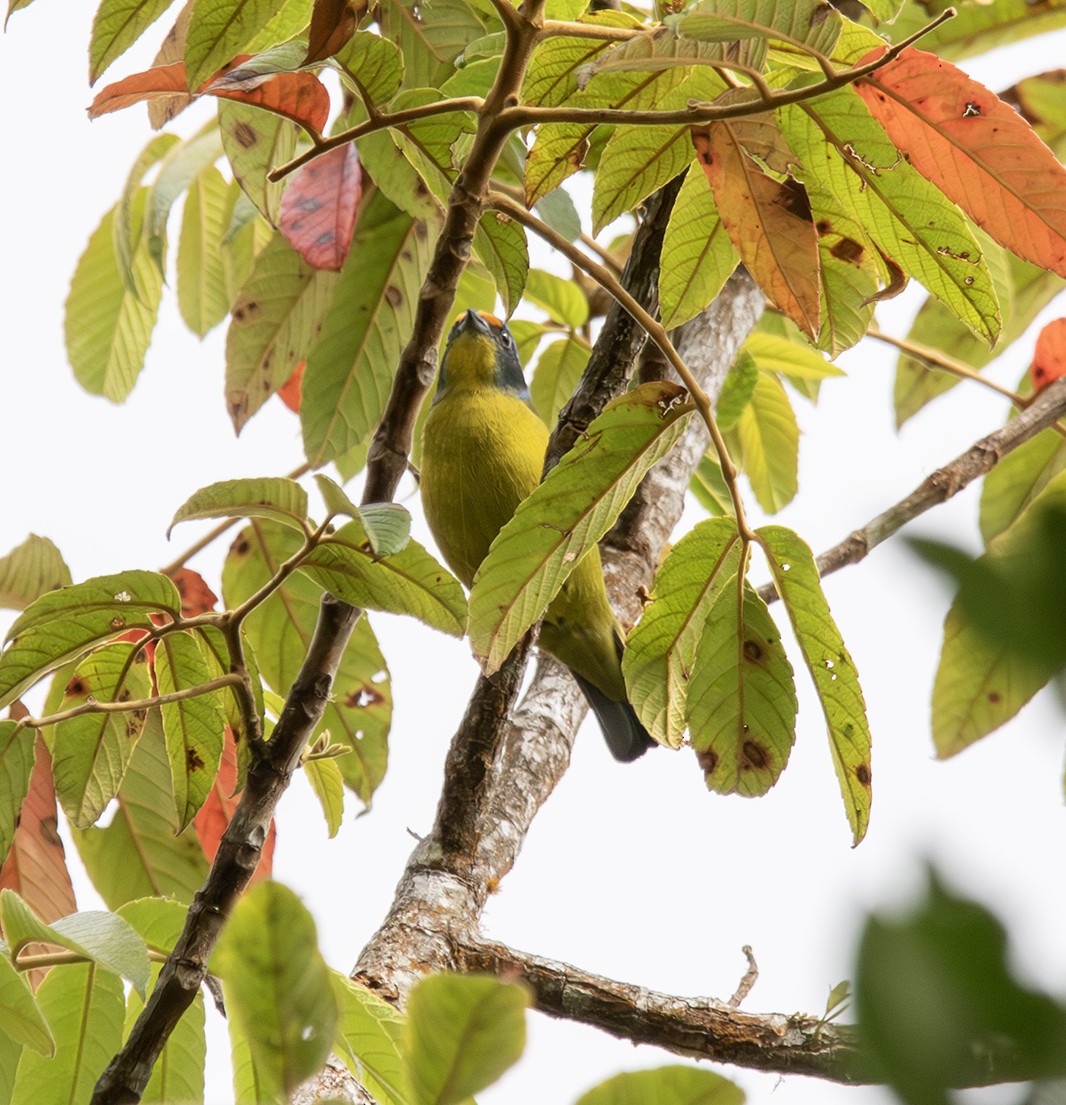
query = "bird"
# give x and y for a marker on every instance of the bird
(483, 449)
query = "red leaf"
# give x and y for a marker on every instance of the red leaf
(333, 22)
(301, 97)
(318, 208)
(196, 596)
(769, 222)
(976, 149)
(1049, 359)
(215, 814)
(36, 866)
(290, 392)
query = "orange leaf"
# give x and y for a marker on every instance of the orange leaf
(152, 84)
(1049, 358)
(301, 97)
(214, 816)
(196, 596)
(290, 392)
(976, 149)
(769, 222)
(318, 208)
(36, 866)
(333, 22)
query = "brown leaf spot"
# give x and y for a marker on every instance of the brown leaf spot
(117, 622)
(995, 697)
(49, 830)
(753, 651)
(76, 687)
(862, 773)
(362, 698)
(848, 250)
(245, 135)
(241, 547)
(707, 759)
(193, 762)
(394, 295)
(793, 199)
(245, 311)
(823, 226)
(753, 755)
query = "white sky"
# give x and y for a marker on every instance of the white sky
(632, 871)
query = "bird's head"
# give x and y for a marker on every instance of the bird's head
(481, 354)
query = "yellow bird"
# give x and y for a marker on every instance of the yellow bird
(482, 453)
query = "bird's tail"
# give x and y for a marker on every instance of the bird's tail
(626, 737)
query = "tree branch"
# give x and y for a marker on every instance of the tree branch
(945, 482)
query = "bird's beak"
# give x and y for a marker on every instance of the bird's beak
(472, 323)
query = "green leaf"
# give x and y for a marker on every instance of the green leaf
(792, 358)
(563, 300)
(211, 266)
(429, 45)
(841, 145)
(138, 854)
(324, 775)
(29, 570)
(710, 488)
(1017, 480)
(193, 727)
(737, 389)
(20, 1014)
(387, 526)
(128, 223)
(1023, 289)
(83, 1005)
(256, 141)
(108, 326)
(63, 624)
(741, 707)
(697, 256)
(370, 64)
(432, 145)
(463, 1032)
(765, 443)
(558, 370)
(368, 1041)
(1003, 637)
(218, 31)
(277, 318)
(660, 652)
(349, 371)
(280, 629)
(104, 938)
(674, 1085)
(408, 582)
(794, 23)
(568, 513)
(278, 986)
(10, 1050)
(978, 28)
(558, 211)
(274, 497)
(157, 921)
(500, 245)
(90, 752)
(832, 669)
(934, 992)
(16, 765)
(637, 161)
(116, 27)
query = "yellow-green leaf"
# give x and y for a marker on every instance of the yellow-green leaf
(1017, 480)
(29, 570)
(741, 706)
(832, 669)
(661, 650)
(500, 244)
(765, 442)
(16, 765)
(368, 1041)
(635, 162)
(256, 141)
(218, 31)
(20, 1014)
(568, 513)
(116, 27)
(558, 370)
(274, 497)
(675, 1085)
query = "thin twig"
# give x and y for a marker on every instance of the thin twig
(748, 980)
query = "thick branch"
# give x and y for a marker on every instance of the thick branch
(945, 482)
(696, 1027)
(236, 861)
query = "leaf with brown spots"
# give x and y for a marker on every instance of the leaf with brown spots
(193, 727)
(318, 208)
(196, 596)
(1049, 358)
(976, 149)
(35, 864)
(769, 222)
(831, 667)
(741, 707)
(215, 814)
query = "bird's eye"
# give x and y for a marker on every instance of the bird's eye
(505, 337)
